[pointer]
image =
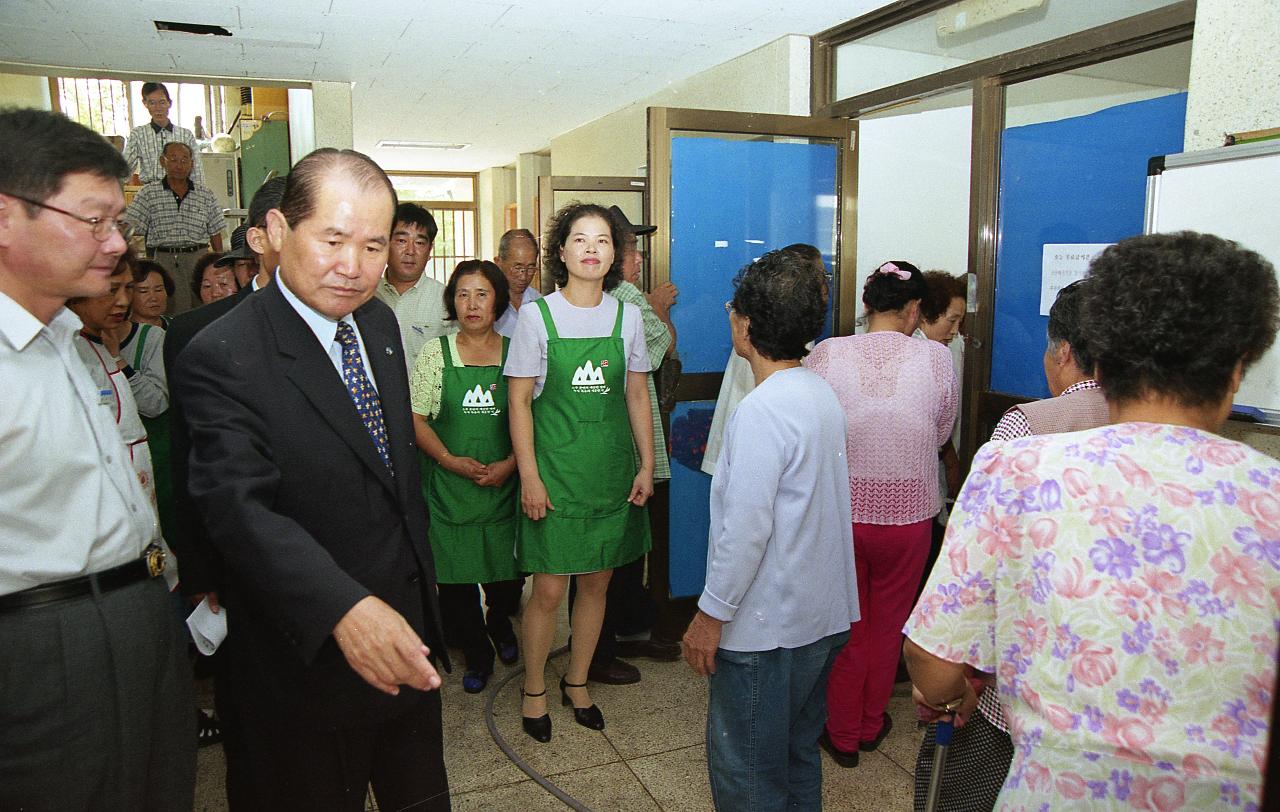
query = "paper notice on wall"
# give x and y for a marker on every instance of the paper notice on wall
(1064, 263)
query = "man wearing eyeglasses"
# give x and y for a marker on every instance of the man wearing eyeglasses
(146, 142)
(95, 689)
(180, 219)
(518, 259)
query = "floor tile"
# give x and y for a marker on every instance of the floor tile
(609, 787)
(666, 710)
(875, 785)
(677, 778)
(903, 742)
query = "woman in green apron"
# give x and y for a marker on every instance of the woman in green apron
(459, 399)
(579, 407)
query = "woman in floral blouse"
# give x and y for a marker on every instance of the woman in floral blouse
(1122, 583)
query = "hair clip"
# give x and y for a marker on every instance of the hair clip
(889, 269)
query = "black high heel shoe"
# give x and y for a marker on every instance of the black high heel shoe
(587, 717)
(538, 729)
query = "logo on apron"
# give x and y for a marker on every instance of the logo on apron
(479, 401)
(589, 379)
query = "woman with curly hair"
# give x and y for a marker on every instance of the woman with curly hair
(780, 591)
(579, 407)
(899, 395)
(1122, 582)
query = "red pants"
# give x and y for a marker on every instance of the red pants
(890, 560)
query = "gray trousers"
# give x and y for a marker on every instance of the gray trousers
(96, 705)
(182, 268)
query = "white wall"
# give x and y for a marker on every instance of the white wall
(529, 167)
(302, 124)
(17, 90)
(913, 191)
(496, 188)
(334, 126)
(1235, 81)
(771, 79)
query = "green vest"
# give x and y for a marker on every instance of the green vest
(585, 454)
(473, 528)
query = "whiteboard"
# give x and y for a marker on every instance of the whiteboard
(1233, 192)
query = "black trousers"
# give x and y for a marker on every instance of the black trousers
(468, 628)
(96, 705)
(292, 767)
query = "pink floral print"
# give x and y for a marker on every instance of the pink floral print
(1123, 584)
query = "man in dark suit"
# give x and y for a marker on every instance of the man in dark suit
(302, 465)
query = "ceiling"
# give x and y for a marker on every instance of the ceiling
(504, 77)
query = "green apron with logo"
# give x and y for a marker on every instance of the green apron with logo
(584, 449)
(158, 439)
(473, 528)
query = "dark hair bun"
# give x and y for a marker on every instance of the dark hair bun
(887, 289)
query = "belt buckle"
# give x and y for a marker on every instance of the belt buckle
(154, 555)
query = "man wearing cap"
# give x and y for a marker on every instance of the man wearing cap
(629, 610)
(243, 262)
(180, 220)
(518, 259)
(95, 689)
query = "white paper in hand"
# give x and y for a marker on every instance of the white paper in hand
(208, 630)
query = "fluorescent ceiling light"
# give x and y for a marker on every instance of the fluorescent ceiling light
(389, 144)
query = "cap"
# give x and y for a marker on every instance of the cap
(239, 248)
(639, 231)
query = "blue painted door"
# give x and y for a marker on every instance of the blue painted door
(731, 201)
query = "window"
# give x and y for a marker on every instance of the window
(451, 200)
(113, 107)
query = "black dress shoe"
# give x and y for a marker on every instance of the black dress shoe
(538, 729)
(614, 672)
(867, 747)
(587, 717)
(845, 758)
(651, 649)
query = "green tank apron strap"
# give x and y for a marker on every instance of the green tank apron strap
(585, 455)
(473, 527)
(142, 342)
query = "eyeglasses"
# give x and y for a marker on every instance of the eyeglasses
(156, 102)
(101, 226)
(525, 270)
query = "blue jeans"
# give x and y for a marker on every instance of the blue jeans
(765, 713)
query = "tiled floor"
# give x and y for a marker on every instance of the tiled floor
(649, 757)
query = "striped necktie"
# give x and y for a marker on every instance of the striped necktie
(363, 395)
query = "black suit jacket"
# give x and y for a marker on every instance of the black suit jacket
(304, 513)
(200, 567)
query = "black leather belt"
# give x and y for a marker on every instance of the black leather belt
(150, 565)
(178, 249)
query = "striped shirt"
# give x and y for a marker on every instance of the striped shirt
(657, 340)
(166, 219)
(145, 143)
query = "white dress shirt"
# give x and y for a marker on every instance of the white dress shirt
(326, 331)
(70, 500)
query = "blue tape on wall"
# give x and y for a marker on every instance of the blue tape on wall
(1077, 180)
(747, 197)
